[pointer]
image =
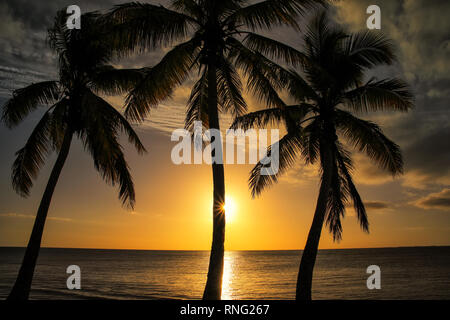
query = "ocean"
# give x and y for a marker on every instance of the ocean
(406, 273)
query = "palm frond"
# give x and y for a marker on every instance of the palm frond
(126, 185)
(322, 37)
(124, 126)
(226, 8)
(288, 147)
(100, 138)
(311, 142)
(191, 7)
(275, 49)
(264, 77)
(198, 103)
(346, 167)
(79, 51)
(292, 116)
(323, 46)
(137, 26)
(31, 157)
(230, 88)
(298, 112)
(26, 100)
(368, 137)
(258, 119)
(112, 118)
(337, 199)
(270, 13)
(384, 95)
(59, 123)
(160, 80)
(58, 36)
(369, 49)
(111, 81)
(299, 88)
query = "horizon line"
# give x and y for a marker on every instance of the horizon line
(196, 250)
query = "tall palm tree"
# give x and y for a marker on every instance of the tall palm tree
(213, 38)
(333, 87)
(75, 109)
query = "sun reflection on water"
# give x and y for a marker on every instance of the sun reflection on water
(228, 275)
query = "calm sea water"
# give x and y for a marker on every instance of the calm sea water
(406, 273)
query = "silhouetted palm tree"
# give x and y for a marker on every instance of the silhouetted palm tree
(213, 38)
(77, 110)
(332, 87)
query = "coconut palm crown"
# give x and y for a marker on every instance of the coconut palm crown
(330, 92)
(72, 108)
(213, 40)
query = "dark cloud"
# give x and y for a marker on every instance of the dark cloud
(376, 205)
(23, 47)
(373, 205)
(440, 200)
(419, 29)
(23, 31)
(38, 15)
(429, 156)
(421, 34)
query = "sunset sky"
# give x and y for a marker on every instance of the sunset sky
(173, 210)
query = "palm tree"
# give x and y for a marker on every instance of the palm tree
(213, 38)
(331, 88)
(77, 110)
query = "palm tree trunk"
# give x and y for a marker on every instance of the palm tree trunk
(22, 286)
(213, 288)
(305, 273)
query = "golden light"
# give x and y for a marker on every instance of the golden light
(230, 208)
(228, 276)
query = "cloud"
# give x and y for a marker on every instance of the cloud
(427, 155)
(23, 32)
(377, 205)
(368, 173)
(301, 174)
(421, 36)
(10, 28)
(13, 78)
(422, 41)
(371, 206)
(27, 216)
(439, 200)
(423, 46)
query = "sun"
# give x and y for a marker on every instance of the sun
(230, 208)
